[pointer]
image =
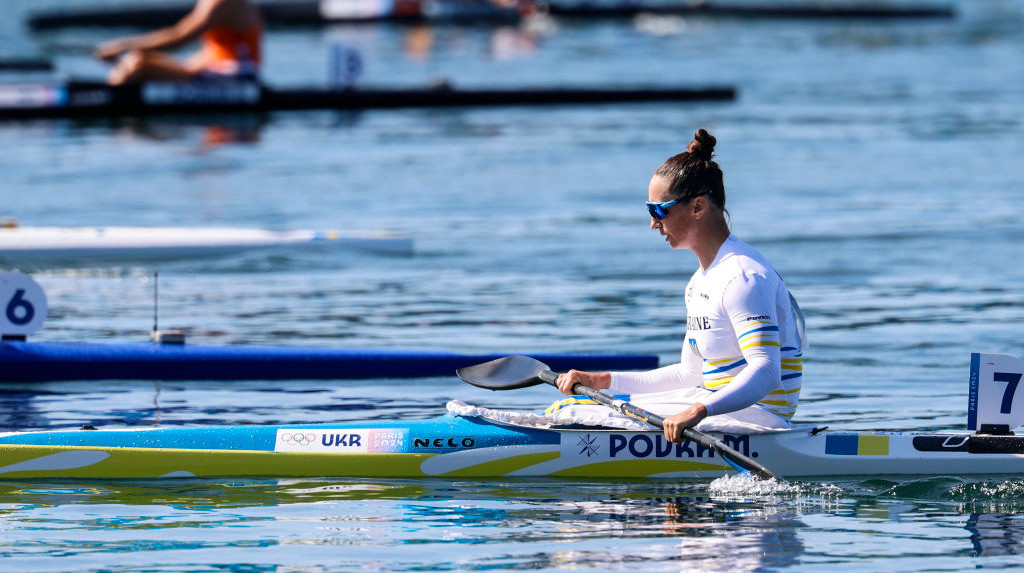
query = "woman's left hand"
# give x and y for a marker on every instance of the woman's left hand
(688, 418)
(110, 50)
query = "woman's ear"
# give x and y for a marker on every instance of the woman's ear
(698, 207)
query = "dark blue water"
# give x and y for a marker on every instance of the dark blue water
(877, 164)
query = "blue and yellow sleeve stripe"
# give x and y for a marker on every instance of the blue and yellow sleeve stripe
(761, 334)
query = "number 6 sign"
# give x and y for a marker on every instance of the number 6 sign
(22, 305)
(994, 394)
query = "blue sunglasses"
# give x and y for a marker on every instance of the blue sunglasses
(659, 210)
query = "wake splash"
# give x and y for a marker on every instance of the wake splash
(987, 491)
(745, 485)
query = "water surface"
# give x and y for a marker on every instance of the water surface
(875, 163)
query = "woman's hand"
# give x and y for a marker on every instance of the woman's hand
(110, 50)
(595, 380)
(688, 418)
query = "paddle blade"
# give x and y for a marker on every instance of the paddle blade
(508, 373)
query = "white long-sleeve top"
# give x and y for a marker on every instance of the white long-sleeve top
(742, 339)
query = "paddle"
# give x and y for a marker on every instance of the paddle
(513, 372)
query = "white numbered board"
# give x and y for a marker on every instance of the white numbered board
(23, 305)
(996, 396)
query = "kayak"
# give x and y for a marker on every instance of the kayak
(305, 12)
(474, 447)
(30, 361)
(180, 242)
(25, 65)
(472, 442)
(169, 358)
(78, 99)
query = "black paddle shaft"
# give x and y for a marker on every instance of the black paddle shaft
(514, 372)
(632, 411)
(620, 406)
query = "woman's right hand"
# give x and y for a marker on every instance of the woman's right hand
(595, 380)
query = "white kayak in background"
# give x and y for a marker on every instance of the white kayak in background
(165, 242)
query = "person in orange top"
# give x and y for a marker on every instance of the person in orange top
(230, 32)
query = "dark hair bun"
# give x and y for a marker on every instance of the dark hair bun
(702, 146)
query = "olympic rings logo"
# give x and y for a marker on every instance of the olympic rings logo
(298, 439)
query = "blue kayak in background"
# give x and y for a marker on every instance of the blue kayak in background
(24, 361)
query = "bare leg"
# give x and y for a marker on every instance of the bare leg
(137, 66)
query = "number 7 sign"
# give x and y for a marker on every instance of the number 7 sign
(994, 405)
